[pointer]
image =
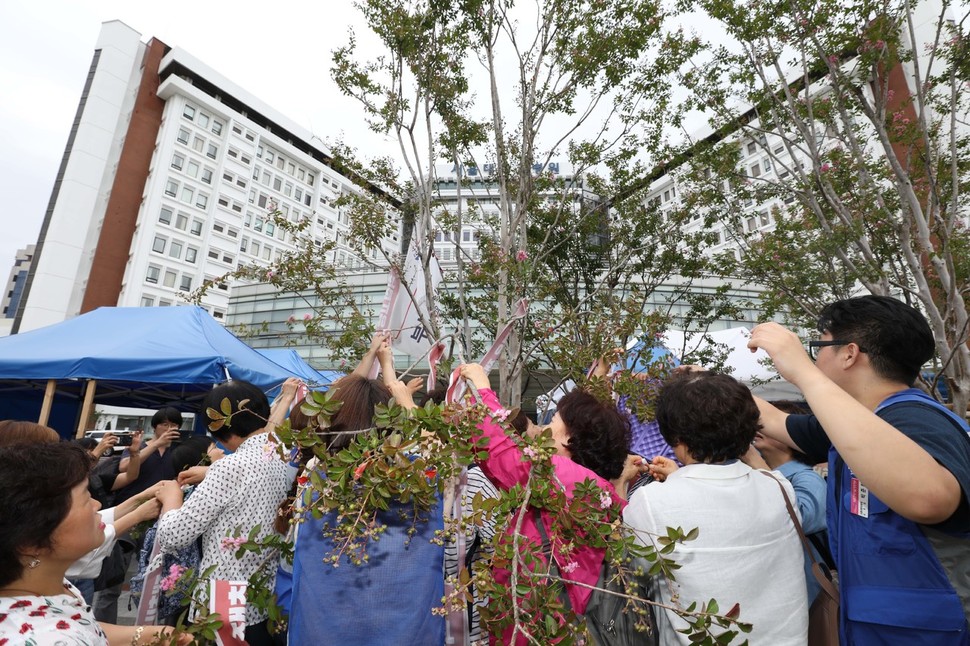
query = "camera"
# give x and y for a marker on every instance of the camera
(124, 439)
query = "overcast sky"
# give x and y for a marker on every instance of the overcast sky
(279, 51)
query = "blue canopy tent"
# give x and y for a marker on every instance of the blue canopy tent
(137, 357)
(291, 361)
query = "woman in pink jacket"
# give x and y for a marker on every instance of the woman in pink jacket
(592, 440)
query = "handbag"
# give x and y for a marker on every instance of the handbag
(823, 616)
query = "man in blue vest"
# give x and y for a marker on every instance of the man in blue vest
(899, 470)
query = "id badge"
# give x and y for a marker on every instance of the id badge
(859, 503)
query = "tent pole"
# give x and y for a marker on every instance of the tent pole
(45, 408)
(87, 408)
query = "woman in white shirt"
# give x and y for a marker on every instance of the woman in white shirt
(239, 492)
(747, 550)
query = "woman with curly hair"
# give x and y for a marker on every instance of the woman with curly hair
(747, 550)
(592, 441)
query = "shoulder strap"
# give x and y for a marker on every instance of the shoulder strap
(918, 396)
(547, 550)
(818, 569)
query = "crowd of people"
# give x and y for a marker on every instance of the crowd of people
(892, 518)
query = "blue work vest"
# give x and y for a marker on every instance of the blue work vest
(893, 588)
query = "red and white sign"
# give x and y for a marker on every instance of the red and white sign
(228, 600)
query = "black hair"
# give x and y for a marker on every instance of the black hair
(599, 436)
(167, 414)
(245, 420)
(87, 443)
(189, 452)
(894, 335)
(712, 415)
(37, 481)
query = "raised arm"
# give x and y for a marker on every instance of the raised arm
(894, 467)
(132, 465)
(367, 361)
(281, 405)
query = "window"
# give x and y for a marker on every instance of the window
(147, 301)
(212, 151)
(765, 218)
(306, 199)
(259, 152)
(198, 144)
(267, 252)
(236, 128)
(181, 221)
(277, 184)
(152, 275)
(233, 233)
(298, 194)
(196, 227)
(170, 278)
(214, 254)
(158, 245)
(270, 228)
(756, 170)
(245, 159)
(466, 236)
(258, 226)
(186, 283)
(261, 202)
(270, 156)
(752, 148)
(164, 303)
(666, 196)
(309, 179)
(446, 253)
(767, 165)
(301, 174)
(255, 248)
(227, 258)
(218, 314)
(165, 215)
(244, 244)
(206, 176)
(224, 201)
(219, 227)
(216, 127)
(228, 177)
(288, 189)
(779, 150)
(187, 194)
(191, 253)
(202, 200)
(250, 136)
(291, 168)
(232, 151)
(183, 136)
(175, 249)
(280, 162)
(752, 224)
(177, 161)
(193, 169)
(188, 112)
(171, 188)
(248, 220)
(203, 120)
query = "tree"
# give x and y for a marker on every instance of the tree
(577, 75)
(845, 125)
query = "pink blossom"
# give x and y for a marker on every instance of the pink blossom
(570, 567)
(522, 255)
(307, 317)
(292, 319)
(826, 167)
(229, 544)
(501, 414)
(269, 274)
(269, 451)
(530, 453)
(171, 578)
(833, 59)
(606, 500)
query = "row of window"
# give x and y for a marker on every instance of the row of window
(191, 168)
(175, 249)
(199, 144)
(148, 300)
(180, 221)
(293, 169)
(186, 194)
(467, 235)
(169, 278)
(202, 119)
(280, 185)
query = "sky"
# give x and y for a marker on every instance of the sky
(278, 51)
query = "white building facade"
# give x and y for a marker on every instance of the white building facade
(167, 182)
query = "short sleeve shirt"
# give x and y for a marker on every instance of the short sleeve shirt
(929, 428)
(56, 620)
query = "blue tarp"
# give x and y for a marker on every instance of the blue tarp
(291, 361)
(143, 357)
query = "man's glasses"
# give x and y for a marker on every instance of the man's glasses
(813, 346)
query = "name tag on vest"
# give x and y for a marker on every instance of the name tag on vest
(859, 504)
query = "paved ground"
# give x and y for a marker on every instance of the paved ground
(126, 617)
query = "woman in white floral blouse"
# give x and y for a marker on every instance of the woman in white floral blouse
(48, 520)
